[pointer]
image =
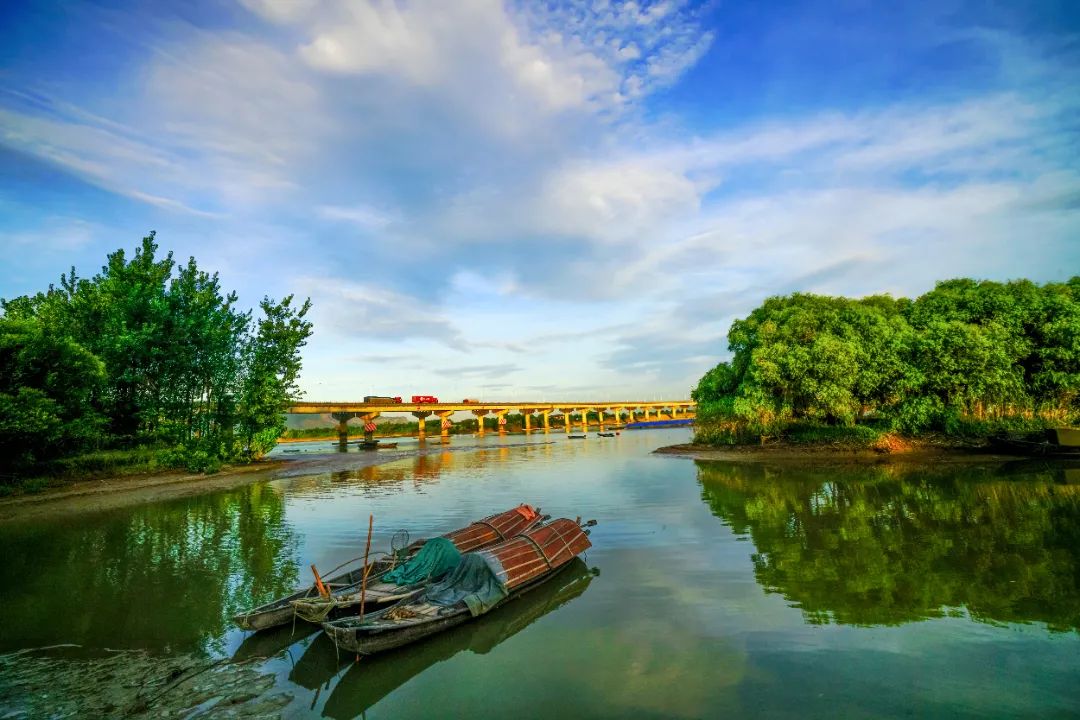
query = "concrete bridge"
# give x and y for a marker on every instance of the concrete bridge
(619, 412)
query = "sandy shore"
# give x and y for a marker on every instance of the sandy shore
(127, 490)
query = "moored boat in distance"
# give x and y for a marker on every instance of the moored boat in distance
(1053, 443)
(344, 589)
(482, 581)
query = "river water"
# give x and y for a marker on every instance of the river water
(711, 590)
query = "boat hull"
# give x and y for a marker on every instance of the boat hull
(345, 587)
(519, 564)
(357, 640)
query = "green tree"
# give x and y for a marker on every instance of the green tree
(48, 386)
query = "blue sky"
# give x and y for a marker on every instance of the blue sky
(540, 200)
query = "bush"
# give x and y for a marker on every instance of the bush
(859, 435)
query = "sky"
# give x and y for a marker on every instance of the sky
(540, 200)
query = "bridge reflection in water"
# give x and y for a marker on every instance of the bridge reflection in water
(565, 414)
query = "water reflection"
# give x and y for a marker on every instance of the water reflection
(162, 576)
(372, 679)
(887, 545)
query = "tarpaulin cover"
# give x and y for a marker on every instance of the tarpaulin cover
(438, 557)
(475, 581)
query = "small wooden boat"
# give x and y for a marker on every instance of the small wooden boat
(343, 590)
(379, 590)
(367, 683)
(577, 437)
(376, 445)
(482, 581)
(1054, 443)
(605, 434)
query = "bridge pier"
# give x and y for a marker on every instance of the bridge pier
(585, 421)
(479, 420)
(369, 426)
(343, 419)
(422, 416)
(444, 426)
(547, 420)
(501, 415)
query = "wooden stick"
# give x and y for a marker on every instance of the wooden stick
(319, 583)
(363, 581)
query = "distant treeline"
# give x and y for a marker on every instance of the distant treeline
(968, 353)
(144, 354)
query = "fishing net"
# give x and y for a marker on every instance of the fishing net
(438, 557)
(475, 581)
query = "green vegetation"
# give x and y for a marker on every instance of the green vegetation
(968, 359)
(146, 364)
(885, 545)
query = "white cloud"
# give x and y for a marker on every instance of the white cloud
(363, 216)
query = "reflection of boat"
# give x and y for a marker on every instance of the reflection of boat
(376, 677)
(318, 664)
(482, 581)
(270, 643)
(344, 590)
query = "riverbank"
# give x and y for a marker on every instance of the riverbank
(929, 450)
(106, 493)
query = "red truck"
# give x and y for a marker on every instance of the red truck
(424, 399)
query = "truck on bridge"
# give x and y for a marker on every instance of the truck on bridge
(424, 399)
(382, 400)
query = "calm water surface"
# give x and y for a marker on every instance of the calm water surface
(711, 590)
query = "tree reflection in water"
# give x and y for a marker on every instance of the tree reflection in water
(890, 544)
(162, 576)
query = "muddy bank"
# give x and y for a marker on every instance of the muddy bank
(128, 490)
(57, 683)
(795, 453)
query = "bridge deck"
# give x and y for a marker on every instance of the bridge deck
(536, 407)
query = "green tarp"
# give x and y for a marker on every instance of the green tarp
(475, 581)
(438, 557)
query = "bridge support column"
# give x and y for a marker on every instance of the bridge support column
(445, 424)
(547, 420)
(369, 426)
(566, 418)
(600, 417)
(343, 419)
(479, 420)
(584, 421)
(526, 414)
(422, 424)
(501, 415)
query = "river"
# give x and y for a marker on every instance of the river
(711, 590)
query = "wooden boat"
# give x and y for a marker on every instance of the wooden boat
(368, 682)
(577, 437)
(343, 587)
(606, 434)
(1054, 443)
(378, 592)
(376, 445)
(514, 567)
